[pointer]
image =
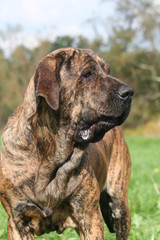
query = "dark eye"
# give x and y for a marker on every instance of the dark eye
(87, 74)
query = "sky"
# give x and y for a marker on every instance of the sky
(46, 19)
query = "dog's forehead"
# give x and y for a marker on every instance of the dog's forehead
(75, 60)
(78, 53)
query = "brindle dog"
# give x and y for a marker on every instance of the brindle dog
(54, 170)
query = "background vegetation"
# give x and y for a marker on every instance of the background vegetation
(132, 50)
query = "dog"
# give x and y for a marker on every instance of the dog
(63, 151)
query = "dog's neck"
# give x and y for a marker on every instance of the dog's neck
(54, 139)
(54, 136)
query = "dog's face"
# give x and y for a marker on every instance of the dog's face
(78, 83)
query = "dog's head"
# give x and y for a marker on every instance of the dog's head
(78, 84)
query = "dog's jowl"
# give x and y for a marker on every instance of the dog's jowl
(63, 152)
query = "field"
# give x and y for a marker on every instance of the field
(144, 197)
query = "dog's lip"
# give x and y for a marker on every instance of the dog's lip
(101, 119)
(88, 132)
(96, 129)
(106, 120)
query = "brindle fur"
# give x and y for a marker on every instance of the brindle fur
(48, 179)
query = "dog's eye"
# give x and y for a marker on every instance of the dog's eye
(87, 74)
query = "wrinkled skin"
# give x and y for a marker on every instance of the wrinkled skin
(55, 167)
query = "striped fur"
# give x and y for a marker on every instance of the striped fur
(56, 162)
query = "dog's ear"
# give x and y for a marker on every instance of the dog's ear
(47, 79)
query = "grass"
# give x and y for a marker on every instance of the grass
(143, 199)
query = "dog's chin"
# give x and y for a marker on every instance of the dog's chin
(95, 132)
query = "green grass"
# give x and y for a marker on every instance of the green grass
(143, 198)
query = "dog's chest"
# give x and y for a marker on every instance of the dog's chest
(53, 212)
(44, 220)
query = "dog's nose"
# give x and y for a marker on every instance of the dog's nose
(125, 91)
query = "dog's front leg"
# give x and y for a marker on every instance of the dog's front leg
(16, 232)
(116, 214)
(86, 212)
(121, 217)
(92, 227)
(114, 197)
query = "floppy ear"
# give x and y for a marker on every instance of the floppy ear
(47, 79)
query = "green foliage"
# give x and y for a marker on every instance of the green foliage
(143, 199)
(62, 42)
(140, 69)
(136, 24)
(131, 50)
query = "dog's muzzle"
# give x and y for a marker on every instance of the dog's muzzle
(96, 129)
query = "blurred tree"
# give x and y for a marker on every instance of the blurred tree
(136, 24)
(62, 42)
(132, 51)
(39, 52)
(5, 109)
(82, 42)
(10, 37)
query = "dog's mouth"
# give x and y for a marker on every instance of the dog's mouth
(95, 131)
